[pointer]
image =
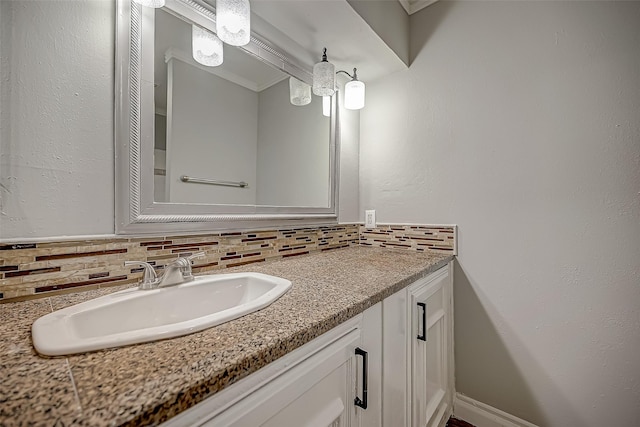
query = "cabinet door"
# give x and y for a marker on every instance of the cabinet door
(330, 402)
(325, 404)
(318, 392)
(396, 360)
(371, 343)
(430, 318)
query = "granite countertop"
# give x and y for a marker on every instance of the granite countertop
(146, 384)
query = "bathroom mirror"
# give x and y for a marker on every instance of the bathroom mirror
(206, 148)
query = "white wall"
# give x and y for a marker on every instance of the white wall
(210, 139)
(520, 122)
(293, 150)
(56, 141)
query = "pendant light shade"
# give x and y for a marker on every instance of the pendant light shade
(207, 48)
(354, 95)
(353, 92)
(299, 92)
(151, 3)
(326, 106)
(324, 77)
(233, 21)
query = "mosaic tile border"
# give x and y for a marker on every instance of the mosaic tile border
(436, 238)
(32, 270)
(36, 270)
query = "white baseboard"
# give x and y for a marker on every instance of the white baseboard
(483, 415)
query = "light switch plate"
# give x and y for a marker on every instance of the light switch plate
(370, 218)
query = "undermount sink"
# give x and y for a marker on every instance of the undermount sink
(134, 316)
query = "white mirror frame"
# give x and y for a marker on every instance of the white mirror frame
(136, 211)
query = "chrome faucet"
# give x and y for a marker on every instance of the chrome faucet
(176, 272)
(149, 278)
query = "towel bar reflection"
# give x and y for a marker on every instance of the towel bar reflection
(241, 184)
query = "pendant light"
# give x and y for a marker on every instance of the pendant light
(233, 21)
(206, 47)
(299, 92)
(156, 4)
(353, 92)
(324, 77)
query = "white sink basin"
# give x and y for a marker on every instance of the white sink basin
(134, 316)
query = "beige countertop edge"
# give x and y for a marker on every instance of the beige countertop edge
(149, 383)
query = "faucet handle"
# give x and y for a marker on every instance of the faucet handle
(149, 278)
(196, 255)
(185, 265)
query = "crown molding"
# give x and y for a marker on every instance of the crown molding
(412, 6)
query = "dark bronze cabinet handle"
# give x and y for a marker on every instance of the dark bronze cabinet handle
(365, 378)
(423, 337)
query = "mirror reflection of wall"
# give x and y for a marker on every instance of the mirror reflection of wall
(234, 122)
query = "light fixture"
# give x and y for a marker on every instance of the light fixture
(353, 92)
(326, 106)
(206, 47)
(151, 3)
(324, 77)
(233, 21)
(299, 92)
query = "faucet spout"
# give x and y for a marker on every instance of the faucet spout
(173, 273)
(149, 279)
(179, 271)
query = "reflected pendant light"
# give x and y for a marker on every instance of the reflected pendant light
(233, 21)
(207, 48)
(324, 77)
(299, 92)
(354, 93)
(326, 106)
(151, 3)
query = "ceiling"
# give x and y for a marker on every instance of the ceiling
(304, 28)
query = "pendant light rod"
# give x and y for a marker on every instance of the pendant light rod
(352, 77)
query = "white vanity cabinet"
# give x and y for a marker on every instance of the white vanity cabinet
(374, 370)
(418, 353)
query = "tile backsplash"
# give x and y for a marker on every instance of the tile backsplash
(32, 270)
(437, 238)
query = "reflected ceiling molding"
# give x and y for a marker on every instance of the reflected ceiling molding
(220, 72)
(155, 4)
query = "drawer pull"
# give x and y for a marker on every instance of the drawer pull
(365, 378)
(423, 337)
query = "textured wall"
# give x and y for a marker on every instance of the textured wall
(520, 123)
(56, 146)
